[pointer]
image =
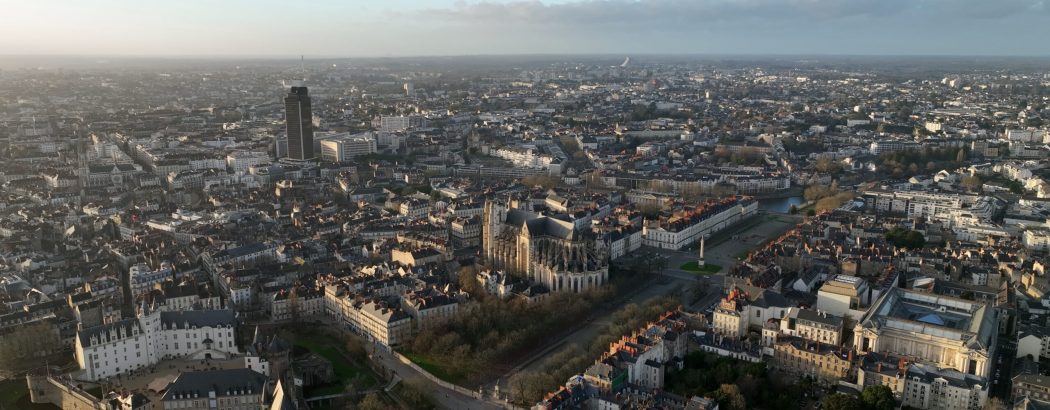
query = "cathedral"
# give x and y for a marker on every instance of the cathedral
(544, 249)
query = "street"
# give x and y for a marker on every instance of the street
(1002, 370)
(731, 243)
(740, 238)
(441, 396)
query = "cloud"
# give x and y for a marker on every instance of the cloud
(955, 27)
(591, 13)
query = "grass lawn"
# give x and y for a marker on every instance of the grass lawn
(707, 269)
(14, 394)
(434, 367)
(11, 391)
(345, 370)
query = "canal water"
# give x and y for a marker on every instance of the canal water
(781, 205)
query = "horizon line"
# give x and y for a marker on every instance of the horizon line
(462, 55)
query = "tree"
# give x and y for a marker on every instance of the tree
(468, 281)
(878, 397)
(372, 401)
(538, 384)
(972, 182)
(545, 181)
(650, 211)
(699, 290)
(722, 189)
(519, 386)
(905, 238)
(659, 185)
(594, 180)
(1015, 187)
(412, 394)
(293, 304)
(22, 344)
(731, 396)
(691, 192)
(840, 401)
(355, 349)
(994, 403)
(828, 166)
(815, 192)
(834, 201)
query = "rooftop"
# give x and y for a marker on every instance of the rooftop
(933, 315)
(224, 383)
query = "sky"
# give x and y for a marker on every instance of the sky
(361, 28)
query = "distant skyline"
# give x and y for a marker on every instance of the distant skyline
(266, 28)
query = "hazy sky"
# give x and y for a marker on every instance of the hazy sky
(443, 27)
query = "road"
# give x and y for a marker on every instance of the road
(582, 337)
(741, 238)
(390, 367)
(1002, 370)
(727, 247)
(442, 397)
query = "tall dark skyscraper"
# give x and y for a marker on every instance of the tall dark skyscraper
(300, 124)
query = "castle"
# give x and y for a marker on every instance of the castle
(114, 348)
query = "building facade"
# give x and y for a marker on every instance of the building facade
(299, 120)
(346, 147)
(114, 348)
(231, 389)
(939, 330)
(543, 249)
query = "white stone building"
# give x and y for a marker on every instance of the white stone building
(112, 349)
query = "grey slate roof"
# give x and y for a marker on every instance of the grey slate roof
(550, 227)
(770, 299)
(814, 316)
(225, 383)
(103, 331)
(198, 318)
(954, 377)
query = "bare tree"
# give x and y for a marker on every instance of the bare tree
(972, 182)
(293, 304)
(995, 403)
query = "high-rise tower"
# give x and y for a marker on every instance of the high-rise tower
(300, 125)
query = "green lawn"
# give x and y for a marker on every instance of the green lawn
(11, 391)
(14, 394)
(707, 269)
(433, 367)
(345, 370)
